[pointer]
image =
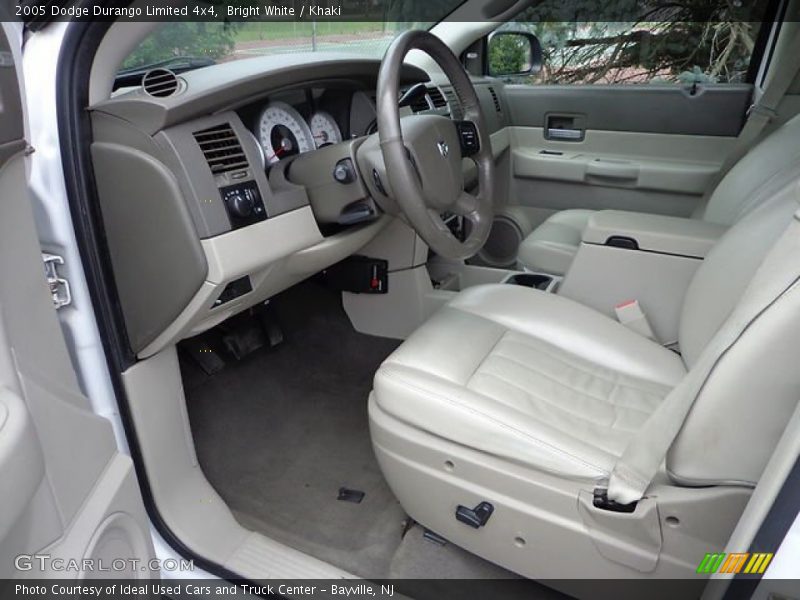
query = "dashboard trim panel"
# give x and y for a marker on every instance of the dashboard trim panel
(225, 86)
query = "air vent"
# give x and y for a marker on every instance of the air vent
(160, 83)
(221, 149)
(419, 104)
(495, 99)
(436, 97)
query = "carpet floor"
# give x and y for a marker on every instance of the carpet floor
(280, 432)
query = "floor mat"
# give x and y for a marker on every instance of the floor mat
(279, 433)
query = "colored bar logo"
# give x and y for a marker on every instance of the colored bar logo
(734, 563)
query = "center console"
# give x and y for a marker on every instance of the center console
(638, 256)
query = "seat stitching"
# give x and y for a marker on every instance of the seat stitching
(536, 441)
(556, 355)
(492, 349)
(553, 404)
(526, 344)
(532, 395)
(553, 379)
(587, 394)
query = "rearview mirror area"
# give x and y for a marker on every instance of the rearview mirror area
(512, 53)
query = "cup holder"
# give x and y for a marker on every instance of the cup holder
(531, 280)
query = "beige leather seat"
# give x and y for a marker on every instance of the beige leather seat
(551, 247)
(526, 400)
(532, 377)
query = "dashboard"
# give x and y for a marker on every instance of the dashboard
(241, 181)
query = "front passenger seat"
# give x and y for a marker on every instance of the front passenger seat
(497, 422)
(552, 246)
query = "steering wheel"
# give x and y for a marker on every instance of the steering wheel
(423, 154)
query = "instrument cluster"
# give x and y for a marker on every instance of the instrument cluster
(283, 132)
(299, 120)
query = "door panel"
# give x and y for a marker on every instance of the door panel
(65, 489)
(714, 110)
(649, 148)
(21, 460)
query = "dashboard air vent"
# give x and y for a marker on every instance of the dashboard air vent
(495, 99)
(436, 97)
(221, 149)
(419, 104)
(160, 83)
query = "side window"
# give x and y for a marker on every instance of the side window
(605, 52)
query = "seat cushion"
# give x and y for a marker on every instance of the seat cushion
(530, 377)
(551, 247)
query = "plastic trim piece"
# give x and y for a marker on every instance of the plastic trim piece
(770, 534)
(81, 42)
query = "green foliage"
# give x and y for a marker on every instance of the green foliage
(509, 54)
(212, 40)
(629, 41)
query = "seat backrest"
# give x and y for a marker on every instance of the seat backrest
(743, 187)
(750, 394)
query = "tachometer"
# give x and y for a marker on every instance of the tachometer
(283, 132)
(324, 129)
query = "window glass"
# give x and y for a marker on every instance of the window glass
(618, 52)
(224, 42)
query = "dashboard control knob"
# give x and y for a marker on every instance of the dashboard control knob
(241, 205)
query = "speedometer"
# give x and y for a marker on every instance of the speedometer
(324, 129)
(283, 132)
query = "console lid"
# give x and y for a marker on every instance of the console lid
(652, 233)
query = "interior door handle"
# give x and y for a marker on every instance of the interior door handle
(573, 135)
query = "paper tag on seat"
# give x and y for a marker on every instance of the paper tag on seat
(630, 314)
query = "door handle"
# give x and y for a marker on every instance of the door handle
(565, 127)
(572, 135)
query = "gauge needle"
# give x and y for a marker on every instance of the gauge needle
(277, 153)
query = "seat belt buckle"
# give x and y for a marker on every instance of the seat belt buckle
(600, 500)
(630, 314)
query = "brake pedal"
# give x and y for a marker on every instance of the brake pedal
(242, 338)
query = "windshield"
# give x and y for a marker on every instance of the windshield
(185, 43)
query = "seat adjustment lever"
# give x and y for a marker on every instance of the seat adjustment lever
(475, 517)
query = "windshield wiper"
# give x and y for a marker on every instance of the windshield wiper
(177, 64)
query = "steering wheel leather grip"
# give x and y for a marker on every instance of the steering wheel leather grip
(422, 153)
